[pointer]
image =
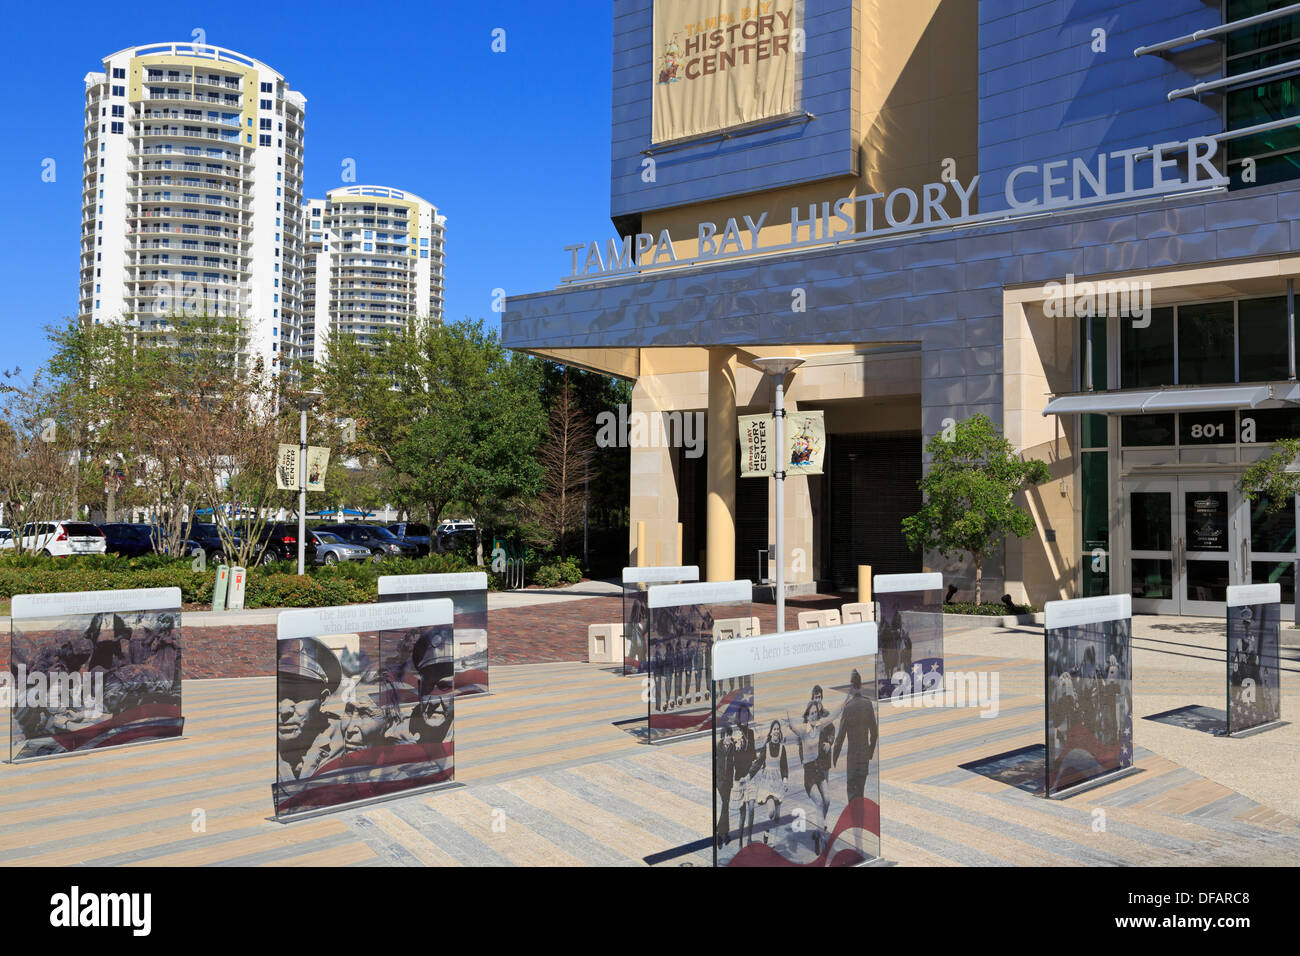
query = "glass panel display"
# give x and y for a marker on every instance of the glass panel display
(1089, 690)
(93, 670)
(1146, 357)
(1262, 339)
(1153, 578)
(909, 618)
(365, 703)
(796, 779)
(1150, 521)
(1206, 353)
(467, 592)
(684, 621)
(1254, 676)
(1259, 425)
(636, 581)
(1205, 520)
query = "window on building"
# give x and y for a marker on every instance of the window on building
(119, 73)
(1276, 153)
(119, 111)
(266, 105)
(1147, 354)
(267, 87)
(119, 91)
(264, 140)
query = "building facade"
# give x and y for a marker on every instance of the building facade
(192, 193)
(375, 262)
(1081, 220)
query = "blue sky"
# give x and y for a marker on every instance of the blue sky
(512, 147)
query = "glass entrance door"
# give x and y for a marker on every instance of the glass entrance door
(1186, 544)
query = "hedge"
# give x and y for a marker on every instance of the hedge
(271, 586)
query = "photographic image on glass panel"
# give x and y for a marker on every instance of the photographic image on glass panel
(910, 632)
(88, 681)
(680, 691)
(1089, 702)
(363, 715)
(1254, 680)
(635, 622)
(796, 782)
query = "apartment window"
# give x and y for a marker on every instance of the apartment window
(264, 140)
(119, 73)
(119, 111)
(119, 91)
(266, 104)
(267, 87)
(265, 123)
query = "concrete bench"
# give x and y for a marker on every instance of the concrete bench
(853, 613)
(828, 618)
(605, 643)
(724, 629)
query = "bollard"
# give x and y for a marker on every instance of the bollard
(220, 587)
(864, 584)
(238, 582)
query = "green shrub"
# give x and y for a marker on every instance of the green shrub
(988, 610)
(557, 572)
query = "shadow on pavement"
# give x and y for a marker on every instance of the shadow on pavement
(1025, 768)
(1194, 717)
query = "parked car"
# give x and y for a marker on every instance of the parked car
(58, 539)
(128, 540)
(416, 534)
(207, 538)
(331, 549)
(453, 525)
(381, 542)
(278, 541)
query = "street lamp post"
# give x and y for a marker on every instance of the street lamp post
(306, 400)
(779, 367)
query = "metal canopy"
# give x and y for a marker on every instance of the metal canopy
(1160, 400)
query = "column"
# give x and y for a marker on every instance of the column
(720, 511)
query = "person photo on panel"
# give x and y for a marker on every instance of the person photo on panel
(371, 724)
(307, 673)
(746, 754)
(859, 730)
(771, 775)
(724, 769)
(816, 736)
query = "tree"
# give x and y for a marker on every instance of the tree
(969, 494)
(1271, 479)
(565, 458)
(445, 409)
(39, 474)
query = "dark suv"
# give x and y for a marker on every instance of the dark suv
(413, 533)
(279, 542)
(128, 540)
(381, 542)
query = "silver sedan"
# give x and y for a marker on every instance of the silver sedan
(331, 549)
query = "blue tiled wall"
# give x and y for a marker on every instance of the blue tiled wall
(1044, 95)
(797, 153)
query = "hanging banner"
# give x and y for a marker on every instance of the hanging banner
(722, 63)
(756, 459)
(286, 468)
(288, 476)
(318, 460)
(805, 442)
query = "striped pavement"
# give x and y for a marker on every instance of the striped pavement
(548, 778)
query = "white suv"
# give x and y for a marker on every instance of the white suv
(59, 539)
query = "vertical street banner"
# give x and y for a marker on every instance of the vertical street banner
(290, 473)
(636, 582)
(365, 703)
(1088, 665)
(92, 670)
(682, 621)
(757, 456)
(716, 64)
(796, 779)
(468, 593)
(805, 442)
(909, 617)
(1254, 677)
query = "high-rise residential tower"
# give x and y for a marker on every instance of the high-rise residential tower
(192, 193)
(375, 262)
